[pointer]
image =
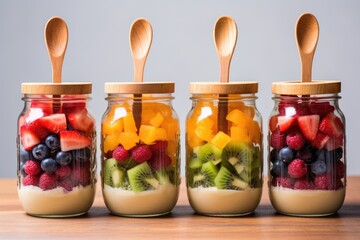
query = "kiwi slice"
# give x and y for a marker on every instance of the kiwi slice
(113, 174)
(227, 180)
(209, 152)
(237, 156)
(195, 162)
(141, 178)
(162, 177)
(206, 176)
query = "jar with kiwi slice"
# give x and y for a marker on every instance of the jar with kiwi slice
(224, 149)
(140, 149)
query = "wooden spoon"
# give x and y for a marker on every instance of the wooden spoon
(307, 35)
(225, 37)
(140, 41)
(56, 38)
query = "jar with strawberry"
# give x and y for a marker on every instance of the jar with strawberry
(56, 148)
(140, 152)
(307, 151)
(224, 151)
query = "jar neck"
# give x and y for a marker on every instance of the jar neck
(51, 98)
(228, 97)
(166, 97)
(306, 98)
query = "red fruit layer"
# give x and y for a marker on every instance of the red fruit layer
(278, 140)
(47, 181)
(120, 154)
(160, 160)
(303, 184)
(30, 180)
(70, 140)
(285, 123)
(32, 167)
(297, 168)
(321, 108)
(81, 120)
(28, 138)
(63, 172)
(159, 147)
(295, 140)
(320, 140)
(309, 126)
(331, 125)
(283, 182)
(141, 153)
(54, 123)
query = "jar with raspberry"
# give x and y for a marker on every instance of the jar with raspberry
(224, 149)
(307, 152)
(140, 152)
(56, 148)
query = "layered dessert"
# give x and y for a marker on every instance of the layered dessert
(223, 169)
(140, 168)
(307, 170)
(57, 164)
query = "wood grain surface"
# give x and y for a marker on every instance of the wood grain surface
(182, 223)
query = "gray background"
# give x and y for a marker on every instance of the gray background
(182, 51)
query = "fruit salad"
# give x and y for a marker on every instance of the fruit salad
(140, 163)
(56, 152)
(306, 149)
(223, 162)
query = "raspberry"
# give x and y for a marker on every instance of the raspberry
(340, 169)
(160, 160)
(81, 175)
(66, 184)
(30, 180)
(141, 153)
(32, 167)
(321, 182)
(159, 147)
(283, 182)
(303, 184)
(62, 172)
(120, 154)
(47, 181)
(295, 140)
(297, 168)
(278, 140)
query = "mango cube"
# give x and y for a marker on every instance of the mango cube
(128, 139)
(195, 142)
(239, 133)
(160, 134)
(110, 126)
(204, 133)
(111, 142)
(221, 139)
(156, 120)
(255, 132)
(129, 123)
(205, 122)
(239, 118)
(147, 134)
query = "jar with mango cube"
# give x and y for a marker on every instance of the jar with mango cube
(224, 149)
(140, 149)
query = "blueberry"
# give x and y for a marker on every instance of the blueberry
(321, 155)
(286, 154)
(274, 155)
(81, 155)
(318, 167)
(279, 168)
(22, 170)
(24, 155)
(63, 158)
(40, 152)
(49, 165)
(52, 142)
(306, 155)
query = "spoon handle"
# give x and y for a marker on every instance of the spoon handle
(56, 65)
(139, 65)
(224, 69)
(306, 67)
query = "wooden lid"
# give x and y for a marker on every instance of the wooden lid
(56, 88)
(139, 87)
(306, 88)
(223, 88)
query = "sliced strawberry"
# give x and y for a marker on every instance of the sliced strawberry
(28, 138)
(45, 104)
(73, 103)
(54, 123)
(321, 108)
(70, 140)
(309, 125)
(285, 123)
(320, 140)
(81, 120)
(37, 128)
(334, 143)
(21, 122)
(331, 125)
(273, 123)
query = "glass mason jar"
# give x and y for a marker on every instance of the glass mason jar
(224, 150)
(307, 151)
(56, 149)
(140, 151)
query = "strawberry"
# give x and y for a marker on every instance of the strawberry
(37, 128)
(54, 123)
(320, 140)
(81, 120)
(321, 108)
(331, 125)
(334, 143)
(73, 103)
(28, 138)
(70, 140)
(309, 125)
(285, 123)
(45, 105)
(273, 123)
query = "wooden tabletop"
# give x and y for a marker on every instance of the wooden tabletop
(182, 223)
